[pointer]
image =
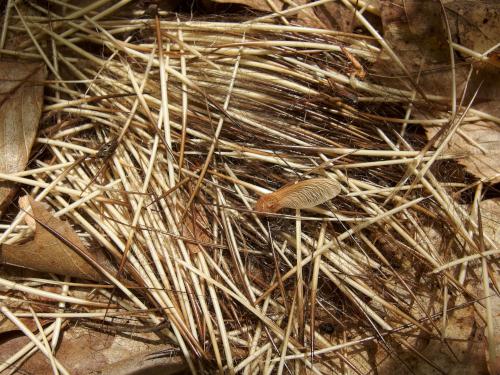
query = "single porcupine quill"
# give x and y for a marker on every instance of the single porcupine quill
(303, 194)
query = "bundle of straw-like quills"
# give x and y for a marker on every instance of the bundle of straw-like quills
(159, 135)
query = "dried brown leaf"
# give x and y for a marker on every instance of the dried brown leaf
(85, 351)
(417, 33)
(461, 354)
(21, 98)
(47, 253)
(404, 24)
(155, 362)
(478, 23)
(195, 230)
(477, 26)
(482, 164)
(336, 17)
(6, 324)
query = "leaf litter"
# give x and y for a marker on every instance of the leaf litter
(273, 128)
(21, 99)
(47, 253)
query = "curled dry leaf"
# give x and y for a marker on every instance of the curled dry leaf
(303, 194)
(47, 253)
(21, 98)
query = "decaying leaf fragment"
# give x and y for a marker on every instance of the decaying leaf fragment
(477, 23)
(97, 352)
(6, 325)
(46, 253)
(482, 162)
(336, 16)
(194, 229)
(303, 194)
(461, 354)
(21, 98)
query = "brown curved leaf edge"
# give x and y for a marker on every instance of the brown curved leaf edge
(21, 99)
(46, 253)
(303, 194)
